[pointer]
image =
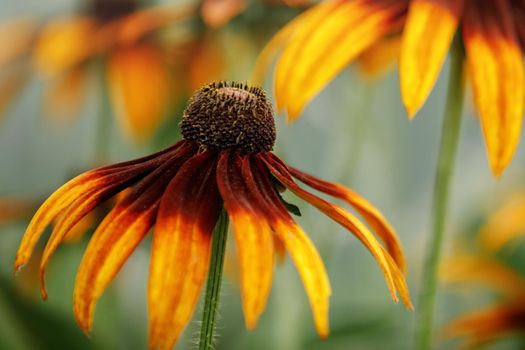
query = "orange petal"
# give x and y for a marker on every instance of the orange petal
(483, 271)
(495, 64)
(370, 213)
(505, 225)
(326, 43)
(16, 36)
(207, 64)
(252, 236)
(217, 13)
(429, 29)
(351, 223)
(65, 95)
(115, 239)
(12, 208)
(139, 84)
(181, 249)
(303, 252)
(63, 44)
(380, 57)
(12, 81)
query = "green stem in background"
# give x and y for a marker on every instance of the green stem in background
(444, 171)
(213, 286)
(103, 122)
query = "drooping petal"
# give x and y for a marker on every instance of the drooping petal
(486, 325)
(181, 248)
(484, 272)
(428, 33)
(139, 83)
(63, 44)
(370, 213)
(62, 198)
(16, 36)
(504, 225)
(326, 43)
(253, 237)
(495, 64)
(380, 57)
(65, 94)
(393, 275)
(303, 252)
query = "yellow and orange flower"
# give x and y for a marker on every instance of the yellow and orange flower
(121, 35)
(321, 42)
(225, 160)
(503, 319)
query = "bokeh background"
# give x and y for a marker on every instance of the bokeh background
(355, 132)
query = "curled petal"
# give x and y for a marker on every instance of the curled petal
(370, 213)
(393, 276)
(252, 234)
(495, 64)
(181, 249)
(429, 29)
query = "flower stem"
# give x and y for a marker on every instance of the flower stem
(444, 171)
(213, 285)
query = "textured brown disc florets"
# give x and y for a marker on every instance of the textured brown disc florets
(228, 115)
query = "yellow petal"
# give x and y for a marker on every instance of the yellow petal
(139, 82)
(429, 29)
(325, 44)
(380, 57)
(63, 44)
(495, 64)
(504, 225)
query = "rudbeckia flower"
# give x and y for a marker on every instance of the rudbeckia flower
(321, 42)
(119, 34)
(224, 161)
(494, 322)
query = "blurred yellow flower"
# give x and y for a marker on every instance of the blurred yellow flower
(321, 42)
(222, 161)
(502, 319)
(120, 34)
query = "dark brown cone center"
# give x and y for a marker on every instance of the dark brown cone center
(228, 115)
(108, 10)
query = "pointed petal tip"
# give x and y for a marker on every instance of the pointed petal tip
(18, 267)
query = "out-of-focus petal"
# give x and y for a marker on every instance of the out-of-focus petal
(495, 64)
(380, 57)
(486, 272)
(63, 44)
(138, 24)
(393, 276)
(370, 213)
(16, 36)
(325, 43)
(12, 81)
(429, 29)
(489, 324)
(65, 94)
(217, 13)
(139, 82)
(181, 249)
(506, 224)
(301, 249)
(207, 63)
(115, 239)
(12, 208)
(253, 237)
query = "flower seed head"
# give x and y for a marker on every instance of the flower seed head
(108, 10)
(228, 115)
